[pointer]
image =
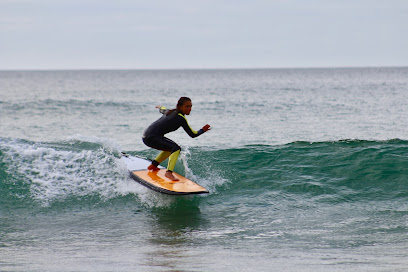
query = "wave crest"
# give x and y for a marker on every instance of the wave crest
(83, 167)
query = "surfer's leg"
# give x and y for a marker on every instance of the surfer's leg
(168, 147)
(158, 160)
(172, 160)
(172, 163)
(175, 152)
(162, 157)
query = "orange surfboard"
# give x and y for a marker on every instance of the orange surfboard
(156, 180)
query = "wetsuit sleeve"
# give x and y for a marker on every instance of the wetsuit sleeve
(192, 133)
(163, 110)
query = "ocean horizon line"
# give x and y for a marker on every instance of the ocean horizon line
(202, 69)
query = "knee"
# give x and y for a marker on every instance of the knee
(176, 148)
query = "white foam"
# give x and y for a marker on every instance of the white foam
(107, 144)
(55, 174)
(212, 178)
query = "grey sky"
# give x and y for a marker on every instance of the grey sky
(126, 34)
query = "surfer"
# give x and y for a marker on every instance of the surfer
(171, 120)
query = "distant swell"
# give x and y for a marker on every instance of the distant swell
(81, 168)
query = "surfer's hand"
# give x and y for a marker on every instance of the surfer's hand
(206, 128)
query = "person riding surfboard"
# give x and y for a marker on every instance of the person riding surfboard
(171, 120)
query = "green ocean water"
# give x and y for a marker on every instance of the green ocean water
(306, 168)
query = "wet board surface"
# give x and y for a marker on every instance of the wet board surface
(156, 180)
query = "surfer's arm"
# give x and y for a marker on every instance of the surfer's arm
(191, 132)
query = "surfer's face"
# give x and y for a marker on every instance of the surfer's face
(186, 108)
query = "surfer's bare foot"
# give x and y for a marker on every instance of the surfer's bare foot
(153, 168)
(170, 176)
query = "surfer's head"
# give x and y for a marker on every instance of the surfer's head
(184, 105)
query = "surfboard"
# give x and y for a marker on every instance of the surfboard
(156, 181)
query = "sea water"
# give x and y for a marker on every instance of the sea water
(307, 171)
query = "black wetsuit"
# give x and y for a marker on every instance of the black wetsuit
(153, 136)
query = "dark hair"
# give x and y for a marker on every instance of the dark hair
(182, 100)
(180, 103)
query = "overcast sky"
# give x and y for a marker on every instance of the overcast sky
(156, 34)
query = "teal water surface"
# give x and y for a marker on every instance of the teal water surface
(306, 168)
